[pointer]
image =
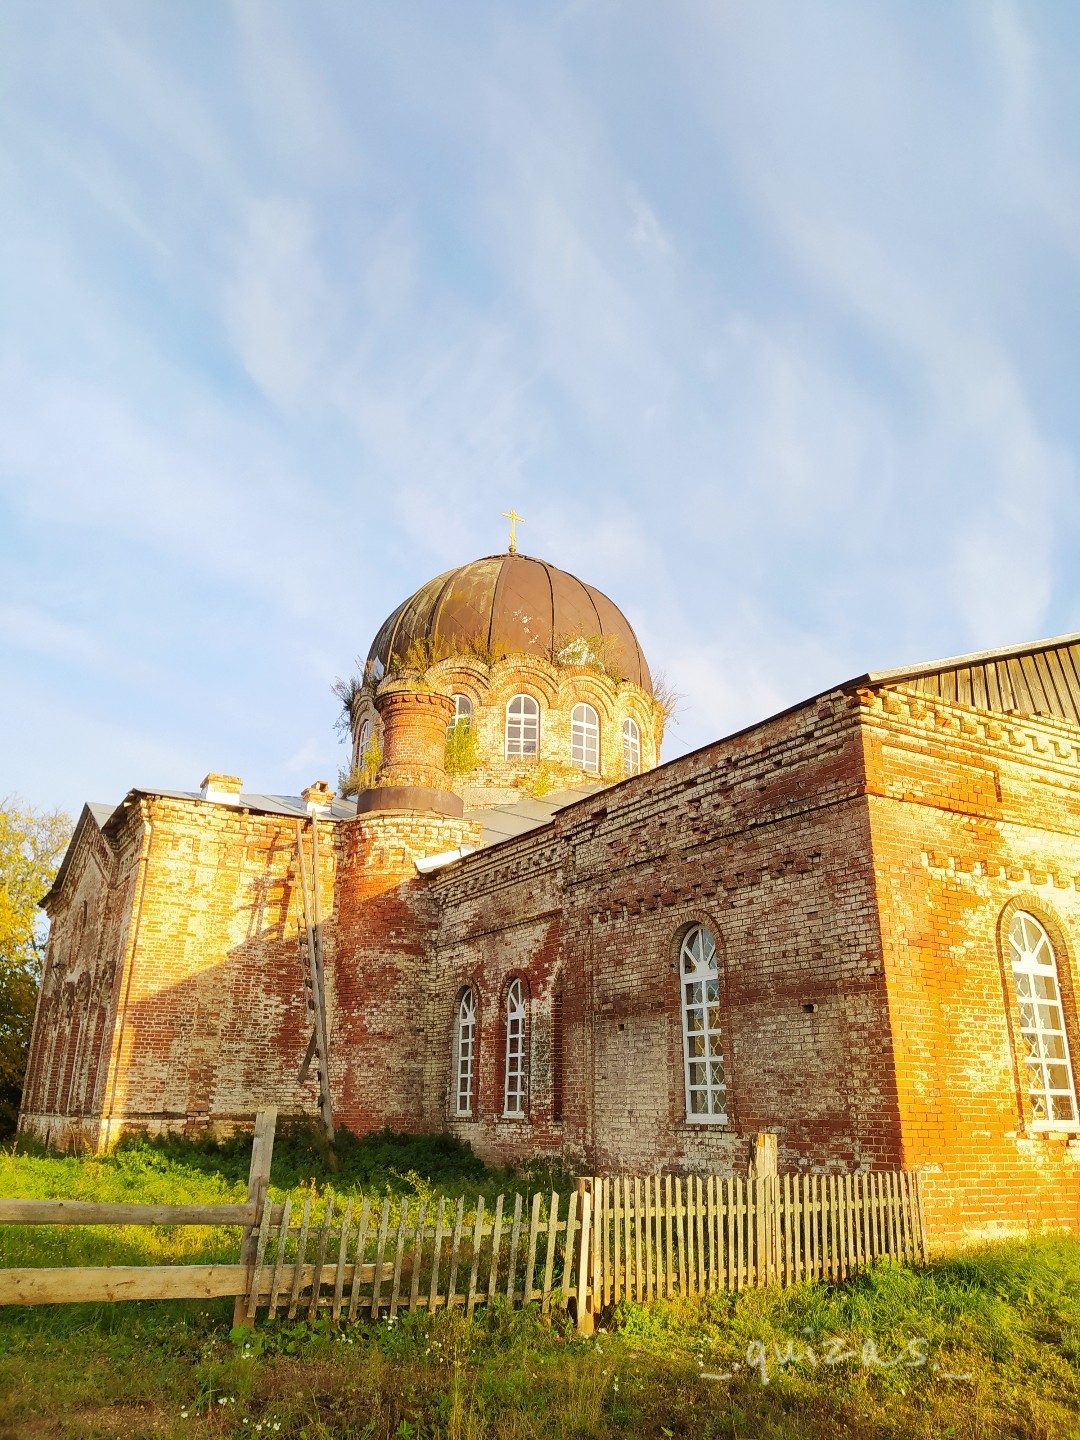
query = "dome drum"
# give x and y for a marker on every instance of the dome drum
(542, 682)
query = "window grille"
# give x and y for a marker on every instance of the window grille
(1045, 1045)
(522, 726)
(466, 1053)
(706, 1085)
(514, 1090)
(585, 737)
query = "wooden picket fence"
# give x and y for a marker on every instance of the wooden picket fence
(637, 1237)
(654, 1236)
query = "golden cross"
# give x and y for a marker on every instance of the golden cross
(515, 520)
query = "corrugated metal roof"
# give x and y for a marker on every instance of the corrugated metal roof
(1040, 678)
(260, 804)
(503, 822)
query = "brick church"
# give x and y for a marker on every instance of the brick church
(855, 924)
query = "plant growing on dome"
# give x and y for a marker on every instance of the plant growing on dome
(350, 782)
(462, 748)
(590, 652)
(370, 761)
(421, 654)
(362, 776)
(541, 779)
(668, 698)
(349, 692)
(479, 647)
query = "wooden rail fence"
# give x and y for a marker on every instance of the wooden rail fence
(637, 1237)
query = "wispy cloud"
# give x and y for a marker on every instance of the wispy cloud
(762, 317)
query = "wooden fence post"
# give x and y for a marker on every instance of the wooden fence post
(262, 1150)
(586, 1303)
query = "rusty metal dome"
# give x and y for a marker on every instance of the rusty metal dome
(506, 604)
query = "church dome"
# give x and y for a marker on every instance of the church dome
(504, 604)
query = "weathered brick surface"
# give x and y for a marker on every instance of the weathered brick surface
(413, 737)
(972, 817)
(382, 973)
(764, 838)
(69, 1058)
(857, 859)
(556, 689)
(178, 1003)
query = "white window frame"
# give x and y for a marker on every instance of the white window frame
(631, 746)
(585, 737)
(522, 726)
(463, 710)
(699, 988)
(363, 741)
(1046, 1064)
(514, 1067)
(465, 1054)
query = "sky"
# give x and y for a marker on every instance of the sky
(766, 317)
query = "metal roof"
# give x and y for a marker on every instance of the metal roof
(261, 804)
(1039, 678)
(503, 822)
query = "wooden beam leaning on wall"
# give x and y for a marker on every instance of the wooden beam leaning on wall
(314, 981)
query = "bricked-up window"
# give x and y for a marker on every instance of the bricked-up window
(631, 747)
(514, 1088)
(585, 737)
(462, 710)
(465, 1050)
(706, 1087)
(557, 1052)
(522, 726)
(1045, 1046)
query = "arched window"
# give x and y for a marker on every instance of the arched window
(706, 1087)
(514, 1088)
(631, 747)
(1042, 1025)
(585, 737)
(462, 710)
(363, 742)
(522, 726)
(465, 1053)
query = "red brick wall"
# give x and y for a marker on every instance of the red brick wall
(68, 1062)
(973, 816)
(193, 941)
(381, 979)
(764, 838)
(856, 859)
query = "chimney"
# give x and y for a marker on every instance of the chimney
(223, 789)
(412, 775)
(317, 796)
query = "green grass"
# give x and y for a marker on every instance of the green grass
(1006, 1316)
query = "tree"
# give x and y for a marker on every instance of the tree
(31, 845)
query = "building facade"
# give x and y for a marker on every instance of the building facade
(855, 924)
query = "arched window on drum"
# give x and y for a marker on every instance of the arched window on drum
(706, 1083)
(363, 742)
(585, 737)
(522, 726)
(462, 710)
(631, 747)
(1047, 1064)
